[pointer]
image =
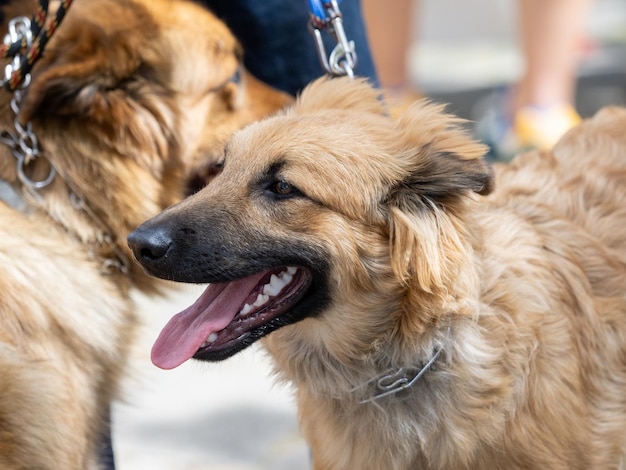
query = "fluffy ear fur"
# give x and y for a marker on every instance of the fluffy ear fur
(82, 62)
(340, 93)
(444, 166)
(98, 76)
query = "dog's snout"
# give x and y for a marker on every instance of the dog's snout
(149, 244)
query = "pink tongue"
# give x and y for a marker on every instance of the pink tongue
(212, 312)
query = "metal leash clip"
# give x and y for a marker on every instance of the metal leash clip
(325, 15)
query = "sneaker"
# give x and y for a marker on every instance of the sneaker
(542, 127)
(532, 127)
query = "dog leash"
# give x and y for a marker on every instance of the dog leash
(324, 15)
(26, 41)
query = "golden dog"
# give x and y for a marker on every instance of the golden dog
(423, 322)
(129, 100)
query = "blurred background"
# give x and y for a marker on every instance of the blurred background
(463, 51)
(233, 415)
(523, 71)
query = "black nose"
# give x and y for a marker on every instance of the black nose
(149, 245)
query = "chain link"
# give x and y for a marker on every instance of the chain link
(23, 143)
(18, 41)
(25, 148)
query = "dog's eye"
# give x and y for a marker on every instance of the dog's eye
(236, 78)
(282, 189)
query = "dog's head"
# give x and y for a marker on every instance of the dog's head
(330, 212)
(130, 99)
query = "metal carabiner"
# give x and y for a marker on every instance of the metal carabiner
(342, 59)
(320, 48)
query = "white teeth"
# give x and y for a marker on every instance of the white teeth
(271, 289)
(210, 340)
(246, 309)
(261, 300)
(277, 283)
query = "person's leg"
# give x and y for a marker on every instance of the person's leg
(390, 31)
(278, 47)
(551, 31)
(543, 100)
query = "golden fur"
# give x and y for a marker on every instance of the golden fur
(130, 99)
(523, 289)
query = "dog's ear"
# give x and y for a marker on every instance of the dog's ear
(340, 93)
(443, 167)
(442, 160)
(96, 74)
(96, 48)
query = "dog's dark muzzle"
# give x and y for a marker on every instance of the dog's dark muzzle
(186, 246)
(169, 249)
(151, 245)
(193, 242)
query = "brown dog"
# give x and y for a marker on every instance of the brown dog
(422, 324)
(129, 99)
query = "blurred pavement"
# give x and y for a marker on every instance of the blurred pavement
(230, 415)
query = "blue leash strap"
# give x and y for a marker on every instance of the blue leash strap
(317, 13)
(325, 16)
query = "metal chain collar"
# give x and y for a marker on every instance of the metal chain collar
(23, 141)
(325, 15)
(25, 148)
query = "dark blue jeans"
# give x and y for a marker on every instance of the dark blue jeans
(277, 45)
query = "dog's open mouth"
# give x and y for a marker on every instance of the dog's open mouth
(226, 316)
